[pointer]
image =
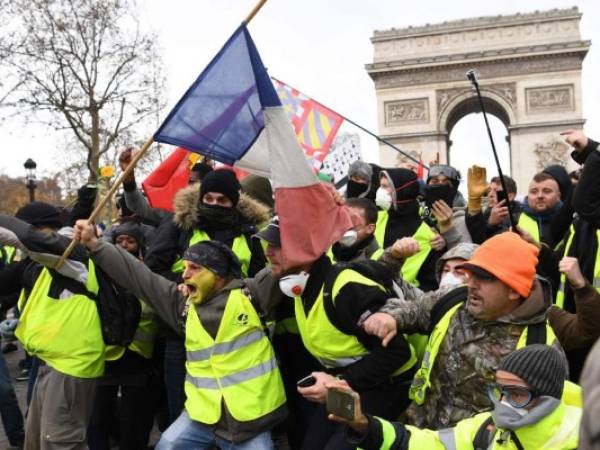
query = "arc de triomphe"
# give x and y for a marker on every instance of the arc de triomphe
(529, 69)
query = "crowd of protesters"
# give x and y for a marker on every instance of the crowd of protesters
(449, 322)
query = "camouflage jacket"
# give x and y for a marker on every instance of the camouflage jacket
(468, 355)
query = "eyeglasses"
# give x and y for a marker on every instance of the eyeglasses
(517, 396)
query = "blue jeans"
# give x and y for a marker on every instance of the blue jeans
(12, 419)
(185, 433)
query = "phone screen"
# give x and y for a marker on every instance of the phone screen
(341, 404)
(501, 195)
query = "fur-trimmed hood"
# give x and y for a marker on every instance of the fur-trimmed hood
(186, 208)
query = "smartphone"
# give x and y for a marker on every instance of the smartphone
(435, 193)
(501, 195)
(341, 404)
(306, 381)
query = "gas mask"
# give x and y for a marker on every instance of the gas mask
(348, 239)
(383, 199)
(203, 284)
(293, 285)
(450, 279)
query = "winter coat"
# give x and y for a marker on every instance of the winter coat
(469, 353)
(173, 236)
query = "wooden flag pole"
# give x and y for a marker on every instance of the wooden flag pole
(131, 166)
(250, 16)
(107, 197)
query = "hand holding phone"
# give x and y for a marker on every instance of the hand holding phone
(306, 381)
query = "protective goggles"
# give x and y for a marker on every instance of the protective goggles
(517, 396)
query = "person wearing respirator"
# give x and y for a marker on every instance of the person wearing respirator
(527, 412)
(233, 386)
(400, 217)
(329, 324)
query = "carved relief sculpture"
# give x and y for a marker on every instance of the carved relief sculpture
(413, 110)
(550, 99)
(553, 151)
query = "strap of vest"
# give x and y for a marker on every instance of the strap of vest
(516, 440)
(259, 311)
(536, 333)
(4, 256)
(445, 304)
(330, 278)
(484, 435)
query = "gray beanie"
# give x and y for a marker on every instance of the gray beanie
(464, 250)
(361, 170)
(541, 366)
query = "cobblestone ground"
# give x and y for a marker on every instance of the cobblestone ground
(12, 359)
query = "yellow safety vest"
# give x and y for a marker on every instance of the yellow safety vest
(10, 253)
(66, 333)
(560, 294)
(530, 225)
(143, 340)
(240, 248)
(423, 235)
(422, 382)
(557, 431)
(330, 346)
(238, 367)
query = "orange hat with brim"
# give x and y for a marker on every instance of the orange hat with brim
(509, 258)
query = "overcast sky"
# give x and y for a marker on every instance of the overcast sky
(319, 47)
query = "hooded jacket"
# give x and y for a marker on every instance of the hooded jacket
(404, 219)
(469, 353)
(173, 237)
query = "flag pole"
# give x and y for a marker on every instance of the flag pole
(380, 139)
(473, 79)
(131, 166)
(107, 197)
(256, 8)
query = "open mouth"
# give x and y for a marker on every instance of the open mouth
(192, 290)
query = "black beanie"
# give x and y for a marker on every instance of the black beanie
(128, 228)
(222, 181)
(543, 367)
(561, 176)
(40, 214)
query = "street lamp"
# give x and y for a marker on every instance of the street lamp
(30, 166)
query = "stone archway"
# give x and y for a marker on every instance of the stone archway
(529, 72)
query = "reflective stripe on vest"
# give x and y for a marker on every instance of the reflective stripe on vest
(66, 332)
(560, 294)
(423, 235)
(238, 367)
(422, 380)
(240, 248)
(530, 225)
(330, 346)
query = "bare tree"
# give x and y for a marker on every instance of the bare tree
(85, 66)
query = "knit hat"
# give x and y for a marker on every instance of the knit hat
(40, 214)
(216, 257)
(509, 258)
(561, 176)
(361, 170)
(449, 172)
(405, 183)
(222, 181)
(543, 367)
(128, 228)
(259, 188)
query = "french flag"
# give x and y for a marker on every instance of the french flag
(232, 114)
